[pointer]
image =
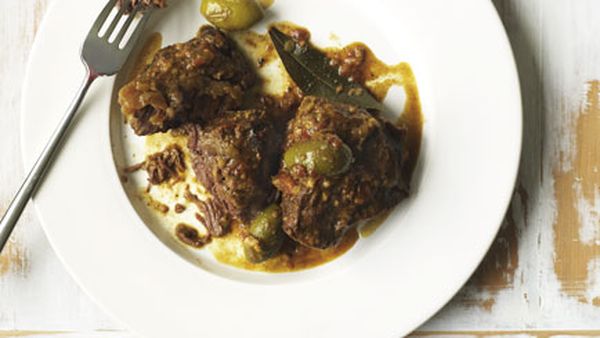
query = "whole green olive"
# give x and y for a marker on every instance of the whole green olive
(253, 250)
(321, 156)
(265, 235)
(266, 226)
(232, 15)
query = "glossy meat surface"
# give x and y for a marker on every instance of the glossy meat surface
(317, 208)
(195, 81)
(234, 158)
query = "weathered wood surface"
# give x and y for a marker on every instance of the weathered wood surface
(542, 276)
(36, 292)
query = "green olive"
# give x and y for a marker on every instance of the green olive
(232, 15)
(254, 251)
(265, 235)
(323, 157)
(266, 226)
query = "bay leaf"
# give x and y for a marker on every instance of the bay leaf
(312, 71)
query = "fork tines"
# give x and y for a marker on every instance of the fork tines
(105, 19)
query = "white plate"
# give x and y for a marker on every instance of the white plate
(384, 287)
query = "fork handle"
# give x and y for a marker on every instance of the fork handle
(36, 174)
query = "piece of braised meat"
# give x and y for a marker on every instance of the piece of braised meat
(166, 165)
(194, 81)
(234, 157)
(163, 166)
(341, 165)
(129, 5)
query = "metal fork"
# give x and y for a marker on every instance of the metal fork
(101, 56)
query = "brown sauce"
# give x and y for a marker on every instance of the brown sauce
(152, 45)
(377, 76)
(156, 205)
(372, 225)
(258, 47)
(179, 208)
(190, 236)
(228, 250)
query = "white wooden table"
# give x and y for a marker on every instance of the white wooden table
(542, 276)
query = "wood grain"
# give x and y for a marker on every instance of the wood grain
(541, 277)
(576, 190)
(36, 293)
